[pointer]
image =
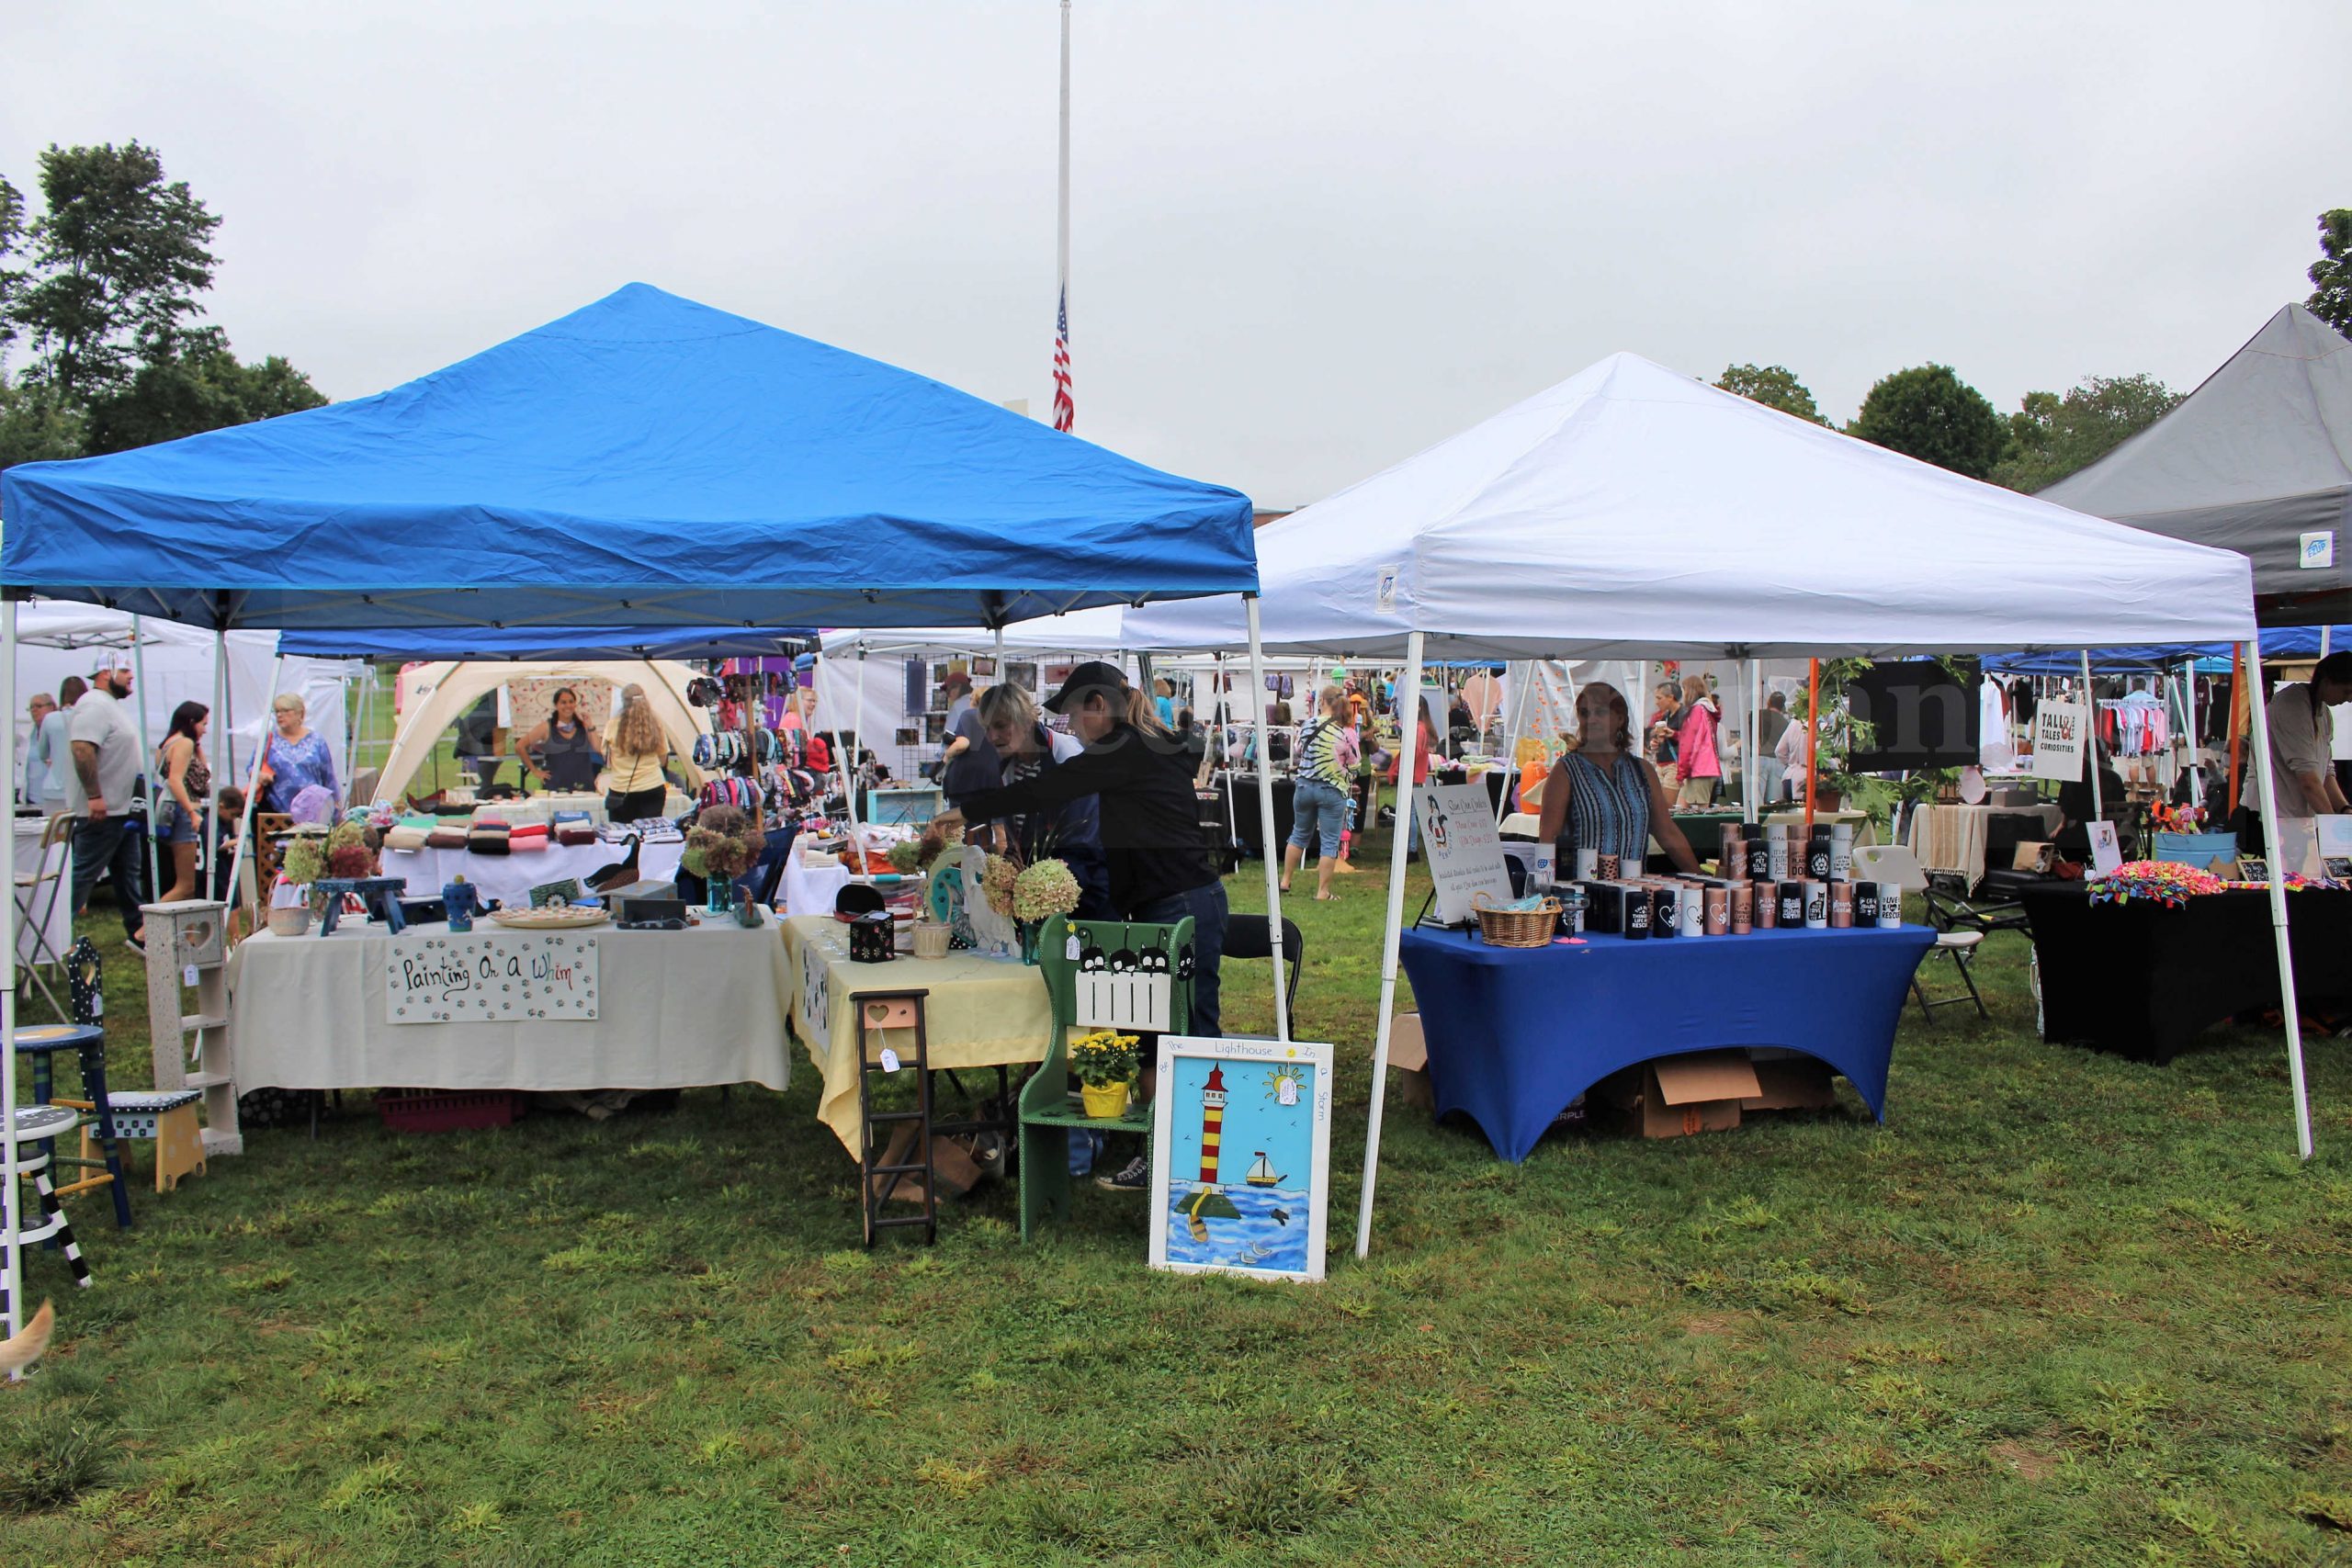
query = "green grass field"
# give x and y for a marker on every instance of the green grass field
(2060, 1309)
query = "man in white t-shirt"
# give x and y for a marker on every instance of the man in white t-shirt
(103, 778)
(2302, 769)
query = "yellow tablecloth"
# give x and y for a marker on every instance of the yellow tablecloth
(981, 1013)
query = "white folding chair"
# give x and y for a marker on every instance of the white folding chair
(1897, 863)
(37, 891)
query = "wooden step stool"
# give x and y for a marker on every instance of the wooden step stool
(167, 1117)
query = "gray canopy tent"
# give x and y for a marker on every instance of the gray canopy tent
(2258, 459)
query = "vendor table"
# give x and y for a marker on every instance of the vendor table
(1515, 1034)
(59, 928)
(510, 878)
(981, 1013)
(679, 1010)
(2142, 979)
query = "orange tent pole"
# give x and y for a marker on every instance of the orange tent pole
(1812, 741)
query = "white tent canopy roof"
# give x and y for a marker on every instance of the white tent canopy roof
(1633, 512)
(1095, 630)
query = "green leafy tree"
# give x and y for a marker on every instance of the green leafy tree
(2051, 435)
(2330, 275)
(203, 388)
(110, 303)
(1774, 386)
(1929, 412)
(120, 258)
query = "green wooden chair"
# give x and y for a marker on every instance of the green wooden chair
(1047, 1113)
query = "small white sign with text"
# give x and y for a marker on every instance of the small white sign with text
(1465, 853)
(2060, 731)
(492, 977)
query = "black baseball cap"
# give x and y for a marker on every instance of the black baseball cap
(1091, 676)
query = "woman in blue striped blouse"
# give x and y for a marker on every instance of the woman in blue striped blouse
(1601, 795)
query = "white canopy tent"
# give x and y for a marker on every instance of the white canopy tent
(1632, 511)
(177, 664)
(438, 695)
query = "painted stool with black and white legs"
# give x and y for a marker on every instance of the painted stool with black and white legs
(99, 1162)
(35, 1126)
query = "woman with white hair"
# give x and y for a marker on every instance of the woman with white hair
(296, 758)
(635, 747)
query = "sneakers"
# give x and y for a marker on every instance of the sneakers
(1133, 1176)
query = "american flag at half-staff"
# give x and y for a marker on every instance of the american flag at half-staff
(1065, 411)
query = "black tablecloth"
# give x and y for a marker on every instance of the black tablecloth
(2142, 979)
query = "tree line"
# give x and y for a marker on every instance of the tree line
(102, 289)
(1929, 412)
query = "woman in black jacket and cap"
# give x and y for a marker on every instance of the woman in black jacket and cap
(1142, 780)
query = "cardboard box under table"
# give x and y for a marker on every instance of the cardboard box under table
(1515, 1034)
(673, 1010)
(980, 1012)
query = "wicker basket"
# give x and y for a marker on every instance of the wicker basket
(1518, 928)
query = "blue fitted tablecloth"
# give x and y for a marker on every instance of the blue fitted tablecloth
(1515, 1034)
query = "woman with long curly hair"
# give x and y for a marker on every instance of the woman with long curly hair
(1603, 797)
(635, 749)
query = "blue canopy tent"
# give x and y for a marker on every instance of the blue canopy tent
(2278, 642)
(539, 642)
(645, 461)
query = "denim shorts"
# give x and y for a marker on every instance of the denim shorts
(177, 826)
(1318, 811)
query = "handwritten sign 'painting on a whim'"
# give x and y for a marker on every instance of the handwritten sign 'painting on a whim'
(493, 977)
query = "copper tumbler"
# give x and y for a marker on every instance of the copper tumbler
(1718, 911)
(1743, 909)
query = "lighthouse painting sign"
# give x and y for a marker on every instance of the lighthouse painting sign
(1242, 1157)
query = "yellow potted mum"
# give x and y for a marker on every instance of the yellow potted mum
(1106, 1066)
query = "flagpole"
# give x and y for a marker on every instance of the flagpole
(1065, 409)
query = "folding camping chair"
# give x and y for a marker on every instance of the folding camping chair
(37, 891)
(1897, 863)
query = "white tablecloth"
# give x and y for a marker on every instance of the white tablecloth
(809, 890)
(681, 1009)
(510, 878)
(34, 902)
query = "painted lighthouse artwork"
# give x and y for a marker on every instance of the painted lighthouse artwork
(1239, 1158)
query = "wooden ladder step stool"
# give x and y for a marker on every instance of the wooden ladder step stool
(882, 1170)
(167, 1117)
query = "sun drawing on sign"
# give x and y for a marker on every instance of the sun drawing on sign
(1283, 1085)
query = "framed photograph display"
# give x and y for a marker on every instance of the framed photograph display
(1240, 1158)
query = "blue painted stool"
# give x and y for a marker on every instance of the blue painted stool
(88, 1043)
(381, 895)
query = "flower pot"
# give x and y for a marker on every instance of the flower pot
(1108, 1101)
(722, 895)
(1030, 930)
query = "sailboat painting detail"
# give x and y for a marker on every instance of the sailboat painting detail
(1240, 1156)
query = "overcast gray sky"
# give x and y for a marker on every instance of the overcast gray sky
(1310, 239)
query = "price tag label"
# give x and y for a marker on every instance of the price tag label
(187, 976)
(889, 1060)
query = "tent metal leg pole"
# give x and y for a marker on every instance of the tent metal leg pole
(245, 827)
(1750, 764)
(224, 726)
(1391, 938)
(11, 1266)
(2090, 738)
(1273, 857)
(2266, 792)
(146, 750)
(849, 785)
(2189, 701)
(1510, 759)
